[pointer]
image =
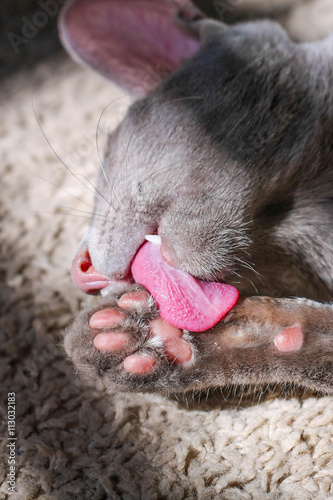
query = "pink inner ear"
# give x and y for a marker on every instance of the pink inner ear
(133, 42)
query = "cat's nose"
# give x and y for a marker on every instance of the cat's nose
(85, 276)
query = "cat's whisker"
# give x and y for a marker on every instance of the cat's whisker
(178, 99)
(114, 192)
(248, 266)
(97, 143)
(108, 181)
(96, 192)
(254, 286)
(81, 211)
(76, 176)
(61, 213)
(127, 154)
(62, 189)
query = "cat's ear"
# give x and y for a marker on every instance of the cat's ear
(135, 43)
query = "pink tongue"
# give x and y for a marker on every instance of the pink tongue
(183, 301)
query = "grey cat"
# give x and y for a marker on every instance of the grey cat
(227, 154)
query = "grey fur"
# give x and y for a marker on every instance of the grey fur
(231, 158)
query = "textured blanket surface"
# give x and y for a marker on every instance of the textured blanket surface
(74, 441)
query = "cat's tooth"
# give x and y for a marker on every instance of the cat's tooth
(153, 238)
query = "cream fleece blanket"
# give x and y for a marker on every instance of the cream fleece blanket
(73, 440)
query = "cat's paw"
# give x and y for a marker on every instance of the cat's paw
(128, 345)
(261, 340)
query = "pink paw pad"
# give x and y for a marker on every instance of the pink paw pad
(106, 318)
(176, 348)
(110, 341)
(139, 364)
(132, 299)
(179, 352)
(164, 331)
(290, 339)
